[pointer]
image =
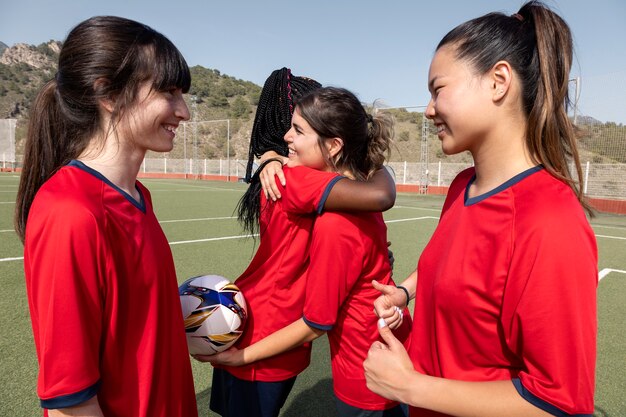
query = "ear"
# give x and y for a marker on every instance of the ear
(501, 79)
(106, 103)
(334, 146)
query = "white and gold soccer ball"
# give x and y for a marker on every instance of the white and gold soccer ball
(215, 314)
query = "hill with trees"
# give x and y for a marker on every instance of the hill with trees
(216, 96)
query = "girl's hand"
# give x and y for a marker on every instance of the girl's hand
(230, 357)
(388, 366)
(271, 170)
(390, 305)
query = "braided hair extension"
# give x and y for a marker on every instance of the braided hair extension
(271, 123)
(273, 115)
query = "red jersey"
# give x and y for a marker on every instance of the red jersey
(103, 300)
(348, 251)
(506, 290)
(273, 284)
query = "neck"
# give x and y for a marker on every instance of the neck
(500, 159)
(118, 161)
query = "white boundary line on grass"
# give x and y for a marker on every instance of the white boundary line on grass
(417, 208)
(611, 237)
(601, 275)
(11, 259)
(411, 219)
(195, 220)
(211, 239)
(607, 271)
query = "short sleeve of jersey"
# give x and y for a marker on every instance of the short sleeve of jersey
(549, 310)
(63, 269)
(307, 189)
(336, 255)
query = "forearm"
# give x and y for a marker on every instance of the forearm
(89, 408)
(376, 194)
(467, 399)
(281, 341)
(410, 283)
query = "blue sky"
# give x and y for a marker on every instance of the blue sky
(378, 49)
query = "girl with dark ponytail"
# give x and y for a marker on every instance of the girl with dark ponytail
(95, 258)
(333, 134)
(505, 302)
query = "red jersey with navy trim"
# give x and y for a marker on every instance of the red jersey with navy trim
(506, 290)
(274, 283)
(103, 300)
(348, 251)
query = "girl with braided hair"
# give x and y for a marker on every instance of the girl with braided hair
(332, 134)
(274, 283)
(505, 291)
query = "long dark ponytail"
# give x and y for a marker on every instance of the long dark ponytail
(538, 45)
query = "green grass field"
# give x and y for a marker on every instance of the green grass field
(197, 217)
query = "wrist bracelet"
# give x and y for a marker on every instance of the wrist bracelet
(267, 161)
(406, 292)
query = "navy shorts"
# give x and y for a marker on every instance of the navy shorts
(346, 410)
(234, 397)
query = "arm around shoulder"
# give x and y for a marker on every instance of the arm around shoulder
(376, 194)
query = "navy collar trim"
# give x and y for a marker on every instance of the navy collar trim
(519, 177)
(141, 204)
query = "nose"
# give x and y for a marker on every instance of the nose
(182, 111)
(288, 136)
(430, 110)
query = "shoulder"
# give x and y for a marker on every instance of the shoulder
(302, 173)
(548, 213)
(542, 198)
(69, 194)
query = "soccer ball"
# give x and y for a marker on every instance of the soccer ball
(214, 311)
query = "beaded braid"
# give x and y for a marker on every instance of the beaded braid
(273, 115)
(271, 123)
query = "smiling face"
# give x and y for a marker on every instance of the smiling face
(303, 144)
(150, 124)
(460, 104)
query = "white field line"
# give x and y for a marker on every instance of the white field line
(182, 242)
(7, 202)
(607, 271)
(611, 237)
(196, 220)
(7, 231)
(608, 227)
(411, 219)
(190, 186)
(11, 259)
(417, 208)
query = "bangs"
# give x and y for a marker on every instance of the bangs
(171, 68)
(164, 64)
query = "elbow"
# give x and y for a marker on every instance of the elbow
(386, 200)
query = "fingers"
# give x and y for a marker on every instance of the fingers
(270, 189)
(281, 177)
(385, 289)
(387, 335)
(202, 358)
